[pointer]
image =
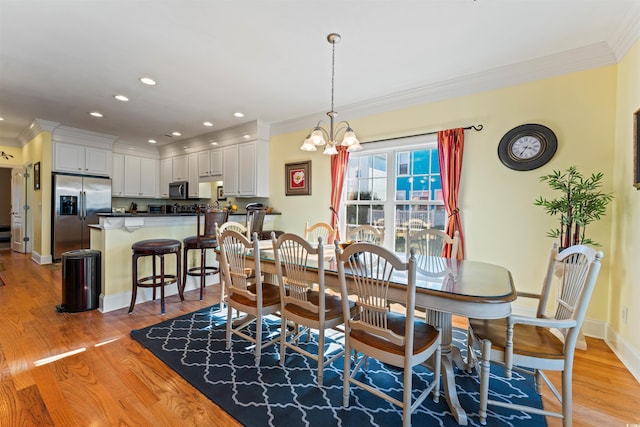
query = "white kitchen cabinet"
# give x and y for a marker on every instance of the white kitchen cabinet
(246, 169)
(117, 178)
(193, 176)
(210, 163)
(230, 170)
(140, 177)
(180, 168)
(166, 175)
(81, 159)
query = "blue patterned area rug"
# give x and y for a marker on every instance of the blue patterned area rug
(270, 395)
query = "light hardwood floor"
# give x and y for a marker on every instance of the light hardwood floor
(112, 380)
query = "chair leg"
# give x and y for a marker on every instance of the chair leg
(178, 277)
(258, 338)
(320, 355)
(185, 264)
(567, 393)
(437, 369)
(229, 326)
(485, 366)
(162, 311)
(346, 372)
(134, 277)
(203, 263)
(406, 395)
(283, 337)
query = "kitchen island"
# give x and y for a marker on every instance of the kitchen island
(115, 234)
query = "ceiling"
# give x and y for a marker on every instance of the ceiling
(61, 60)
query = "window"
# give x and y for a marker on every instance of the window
(416, 189)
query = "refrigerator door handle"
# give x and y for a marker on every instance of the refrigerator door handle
(84, 205)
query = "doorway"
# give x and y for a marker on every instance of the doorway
(8, 232)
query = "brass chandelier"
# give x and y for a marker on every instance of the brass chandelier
(319, 136)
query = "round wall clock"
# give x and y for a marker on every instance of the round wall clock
(527, 147)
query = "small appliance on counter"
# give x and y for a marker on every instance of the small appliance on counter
(172, 209)
(155, 209)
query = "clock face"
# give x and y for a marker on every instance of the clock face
(527, 147)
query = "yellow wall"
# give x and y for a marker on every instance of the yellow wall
(500, 222)
(625, 275)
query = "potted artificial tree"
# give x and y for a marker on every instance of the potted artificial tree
(580, 203)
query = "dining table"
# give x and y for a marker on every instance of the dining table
(444, 287)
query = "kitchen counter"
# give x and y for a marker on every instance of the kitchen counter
(143, 213)
(115, 234)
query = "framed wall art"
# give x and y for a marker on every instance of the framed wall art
(636, 149)
(298, 178)
(221, 195)
(36, 176)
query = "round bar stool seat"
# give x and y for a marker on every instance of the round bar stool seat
(155, 248)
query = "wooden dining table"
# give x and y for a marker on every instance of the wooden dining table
(444, 287)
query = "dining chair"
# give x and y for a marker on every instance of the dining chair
(235, 226)
(319, 229)
(247, 291)
(303, 303)
(366, 233)
(537, 344)
(205, 239)
(429, 244)
(396, 339)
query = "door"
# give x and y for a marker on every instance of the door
(96, 198)
(18, 216)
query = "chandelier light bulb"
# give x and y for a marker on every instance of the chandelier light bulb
(330, 149)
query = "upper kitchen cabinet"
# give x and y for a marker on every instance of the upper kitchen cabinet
(180, 168)
(210, 163)
(193, 176)
(166, 175)
(81, 159)
(140, 177)
(246, 169)
(117, 177)
(81, 151)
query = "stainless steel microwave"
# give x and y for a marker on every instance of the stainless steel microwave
(178, 190)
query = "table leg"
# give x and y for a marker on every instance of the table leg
(450, 356)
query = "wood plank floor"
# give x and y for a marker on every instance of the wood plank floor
(106, 379)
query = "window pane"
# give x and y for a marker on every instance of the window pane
(403, 188)
(421, 162)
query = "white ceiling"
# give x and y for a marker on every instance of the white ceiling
(61, 59)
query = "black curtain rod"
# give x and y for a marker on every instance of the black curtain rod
(477, 128)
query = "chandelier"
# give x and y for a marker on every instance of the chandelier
(319, 136)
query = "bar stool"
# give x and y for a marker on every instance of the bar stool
(155, 248)
(205, 239)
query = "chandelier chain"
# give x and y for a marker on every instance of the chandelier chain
(333, 70)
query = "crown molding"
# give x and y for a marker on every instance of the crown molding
(592, 56)
(627, 33)
(72, 135)
(34, 128)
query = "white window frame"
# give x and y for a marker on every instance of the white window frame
(390, 148)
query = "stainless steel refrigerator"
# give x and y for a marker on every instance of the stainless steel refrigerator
(76, 202)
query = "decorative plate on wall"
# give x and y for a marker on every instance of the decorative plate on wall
(527, 147)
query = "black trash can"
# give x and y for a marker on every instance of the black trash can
(80, 280)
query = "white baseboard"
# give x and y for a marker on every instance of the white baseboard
(123, 299)
(627, 355)
(39, 259)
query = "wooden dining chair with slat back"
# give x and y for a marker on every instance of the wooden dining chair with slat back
(319, 229)
(375, 331)
(247, 291)
(531, 344)
(304, 302)
(366, 233)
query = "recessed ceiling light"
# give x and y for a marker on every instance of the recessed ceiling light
(238, 114)
(152, 141)
(246, 136)
(176, 134)
(1, 119)
(208, 124)
(214, 143)
(121, 98)
(96, 114)
(148, 81)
